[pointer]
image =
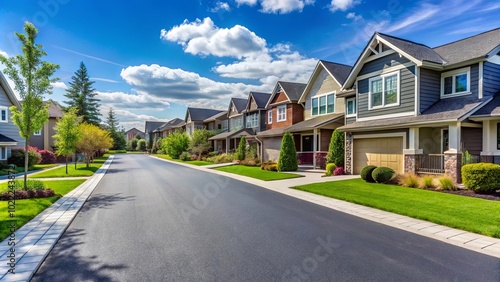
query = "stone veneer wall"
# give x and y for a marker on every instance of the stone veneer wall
(410, 165)
(453, 165)
(348, 154)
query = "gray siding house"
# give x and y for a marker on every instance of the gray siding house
(9, 133)
(418, 109)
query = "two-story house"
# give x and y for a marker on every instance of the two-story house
(217, 123)
(149, 134)
(9, 132)
(43, 139)
(283, 110)
(255, 117)
(323, 112)
(169, 127)
(195, 117)
(417, 109)
(227, 141)
(131, 133)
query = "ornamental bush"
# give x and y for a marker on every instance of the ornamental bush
(47, 157)
(17, 157)
(382, 174)
(481, 177)
(330, 167)
(241, 150)
(141, 145)
(270, 166)
(336, 149)
(185, 156)
(366, 173)
(175, 143)
(288, 156)
(339, 171)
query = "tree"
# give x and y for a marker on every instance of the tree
(81, 95)
(132, 144)
(141, 145)
(175, 144)
(112, 125)
(67, 134)
(336, 149)
(288, 155)
(111, 120)
(199, 141)
(241, 150)
(138, 136)
(92, 139)
(32, 80)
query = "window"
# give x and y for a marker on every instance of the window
(384, 90)
(270, 116)
(38, 133)
(237, 123)
(3, 114)
(3, 153)
(351, 107)
(323, 104)
(253, 120)
(455, 82)
(282, 113)
(224, 124)
(199, 127)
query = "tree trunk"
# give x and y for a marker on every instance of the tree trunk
(26, 160)
(75, 159)
(66, 164)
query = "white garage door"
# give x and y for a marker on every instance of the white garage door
(378, 151)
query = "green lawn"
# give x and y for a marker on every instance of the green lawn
(256, 172)
(35, 167)
(466, 213)
(27, 209)
(197, 163)
(81, 169)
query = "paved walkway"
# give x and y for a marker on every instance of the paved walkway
(472, 241)
(36, 238)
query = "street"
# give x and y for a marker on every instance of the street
(149, 220)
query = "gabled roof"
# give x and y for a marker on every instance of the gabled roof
(338, 72)
(55, 109)
(315, 122)
(152, 125)
(220, 116)
(232, 134)
(260, 99)
(10, 94)
(492, 109)
(173, 123)
(418, 51)
(474, 47)
(292, 90)
(133, 128)
(4, 140)
(239, 103)
(200, 114)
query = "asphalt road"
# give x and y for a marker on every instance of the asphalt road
(153, 221)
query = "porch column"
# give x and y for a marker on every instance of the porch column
(453, 157)
(489, 141)
(315, 146)
(413, 152)
(227, 145)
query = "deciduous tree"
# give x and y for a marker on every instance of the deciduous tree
(67, 134)
(199, 141)
(92, 140)
(175, 143)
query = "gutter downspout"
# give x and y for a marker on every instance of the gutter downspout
(261, 149)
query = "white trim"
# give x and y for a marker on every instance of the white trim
(453, 74)
(270, 117)
(494, 59)
(278, 119)
(405, 114)
(347, 100)
(312, 78)
(385, 71)
(379, 55)
(334, 93)
(411, 58)
(417, 90)
(38, 133)
(382, 78)
(480, 81)
(8, 143)
(3, 108)
(4, 148)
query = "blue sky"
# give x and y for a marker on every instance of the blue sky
(151, 60)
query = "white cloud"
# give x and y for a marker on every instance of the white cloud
(103, 79)
(129, 119)
(354, 17)
(426, 12)
(221, 6)
(4, 54)
(132, 101)
(204, 38)
(284, 6)
(246, 2)
(342, 5)
(59, 84)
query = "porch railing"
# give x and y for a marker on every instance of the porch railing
(432, 163)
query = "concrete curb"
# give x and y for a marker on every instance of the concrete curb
(35, 239)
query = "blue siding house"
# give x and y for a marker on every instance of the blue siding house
(9, 133)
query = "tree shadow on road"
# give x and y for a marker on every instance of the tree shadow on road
(104, 201)
(66, 263)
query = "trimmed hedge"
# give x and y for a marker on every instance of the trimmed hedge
(48, 157)
(339, 171)
(330, 168)
(288, 156)
(481, 177)
(366, 173)
(382, 174)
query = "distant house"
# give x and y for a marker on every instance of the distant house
(131, 133)
(43, 139)
(9, 132)
(195, 118)
(149, 129)
(169, 127)
(228, 140)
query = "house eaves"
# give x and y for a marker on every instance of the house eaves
(10, 94)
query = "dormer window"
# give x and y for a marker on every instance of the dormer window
(456, 82)
(324, 104)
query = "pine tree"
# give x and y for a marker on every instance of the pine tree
(111, 120)
(32, 80)
(336, 149)
(288, 155)
(81, 96)
(112, 125)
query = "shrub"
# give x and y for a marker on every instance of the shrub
(336, 149)
(185, 156)
(330, 167)
(47, 157)
(141, 145)
(250, 162)
(222, 158)
(21, 194)
(288, 156)
(175, 143)
(339, 171)
(481, 177)
(446, 183)
(194, 157)
(212, 154)
(366, 173)
(31, 184)
(199, 143)
(409, 180)
(382, 174)
(270, 166)
(427, 182)
(132, 144)
(161, 152)
(241, 150)
(17, 157)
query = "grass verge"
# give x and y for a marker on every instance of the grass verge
(81, 169)
(35, 167)
(256, 172)
(29, 208)
(197, 163)
(466, 213)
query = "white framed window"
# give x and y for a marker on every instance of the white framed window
(38, 133)
(4, 114)
(270, 116)
(253, 120)
(3, 153)
(281, 113)
(456, 82)
(324, 104)
(225, 124)
(384, 90)
(350, 107)
(237, 123)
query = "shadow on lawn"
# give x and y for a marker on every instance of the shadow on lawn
(66, 263)
(104, 201)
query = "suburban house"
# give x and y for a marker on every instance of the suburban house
(43, 138)
(323, 112)
(9, 133)
(195, 117)
(419, 109)
(228, 140)
(255, 117)
(131, 133)
(217, 122)
(169, 127)
(149, 129)
(283, 110)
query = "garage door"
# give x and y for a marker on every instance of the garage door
(378, 151)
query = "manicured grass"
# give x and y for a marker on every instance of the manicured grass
(35, 167)
(197, 163)
(256, 172)
(466, 213)
(27, 209)
(81, 169)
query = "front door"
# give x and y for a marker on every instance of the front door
(307, 143)
(445, 140)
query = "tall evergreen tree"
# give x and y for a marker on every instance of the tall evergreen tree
(118, 136)
(111, 120)
(81, 96)
(32, 80)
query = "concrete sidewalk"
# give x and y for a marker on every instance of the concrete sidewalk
(472, 241)
(36, 239)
